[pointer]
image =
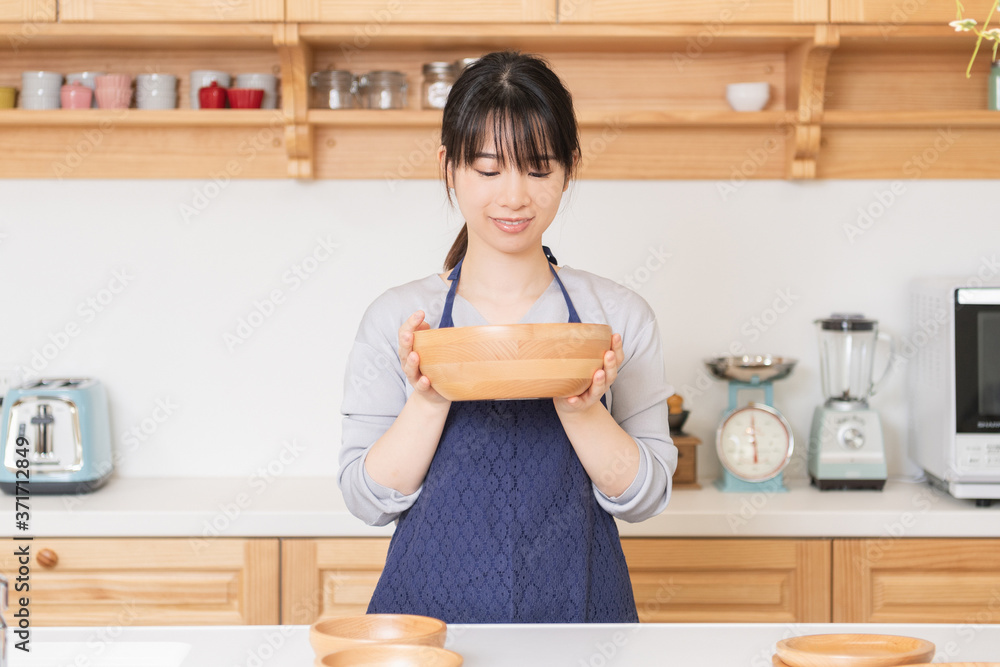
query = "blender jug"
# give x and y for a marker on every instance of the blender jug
(847, 345)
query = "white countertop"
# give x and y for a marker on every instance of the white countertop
(639, 645)
(314, 507)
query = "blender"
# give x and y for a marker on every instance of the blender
(846, 450)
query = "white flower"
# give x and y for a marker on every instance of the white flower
(963, 25)
(992, 33)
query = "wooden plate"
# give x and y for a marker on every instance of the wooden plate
(850, 650)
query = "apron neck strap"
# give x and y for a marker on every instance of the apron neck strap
(456, 273)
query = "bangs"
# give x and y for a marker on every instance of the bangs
(519, 140)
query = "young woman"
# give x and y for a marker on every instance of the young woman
(505, 509)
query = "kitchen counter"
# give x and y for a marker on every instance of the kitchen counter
(704, 645)
(314, 507)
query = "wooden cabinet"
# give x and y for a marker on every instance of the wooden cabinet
(674, 580)
(177, 581)
(875, 99)
(895, 13)
(329, 577)
(709, 12)
(176, 10)
(890, 580)
(375, 13)
(27, 11)
(730, 581)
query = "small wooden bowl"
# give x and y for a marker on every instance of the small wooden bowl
(329, 635)
(853, 650)
(512, 360)
(399, 655)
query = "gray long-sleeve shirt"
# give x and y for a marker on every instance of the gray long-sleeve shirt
(375, 388)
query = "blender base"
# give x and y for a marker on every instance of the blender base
(847, 484)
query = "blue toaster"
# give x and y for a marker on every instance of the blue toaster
(55, 434)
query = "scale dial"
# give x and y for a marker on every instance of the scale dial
(754, 442)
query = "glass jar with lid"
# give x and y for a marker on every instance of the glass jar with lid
(383, 89)
(438, 80)
(333, 89)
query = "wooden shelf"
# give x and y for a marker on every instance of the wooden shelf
(586, 119)
(535, 38)
(912, 119)
(180, 36)
(165, 119)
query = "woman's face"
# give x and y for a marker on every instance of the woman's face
(504, 208)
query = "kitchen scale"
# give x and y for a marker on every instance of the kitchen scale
(754, 442)
(846, 450)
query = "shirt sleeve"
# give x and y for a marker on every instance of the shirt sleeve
(639, 405)
(375, 391)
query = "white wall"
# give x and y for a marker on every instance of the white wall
(198, 257)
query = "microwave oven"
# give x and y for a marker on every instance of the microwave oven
(953, 386)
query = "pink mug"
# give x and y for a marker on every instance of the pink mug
(75, 96)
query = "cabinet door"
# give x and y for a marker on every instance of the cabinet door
(891, 580)
(329, 577)
(730, 581)
(375, 13)
(673, 580)
(710, 12)
(240, 11)
(28, 10)
(177, 581)
(890, 13)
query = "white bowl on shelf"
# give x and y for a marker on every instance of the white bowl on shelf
(748, 96)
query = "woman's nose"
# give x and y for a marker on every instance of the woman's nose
(514, 192)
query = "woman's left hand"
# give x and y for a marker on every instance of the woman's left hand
(603, 378)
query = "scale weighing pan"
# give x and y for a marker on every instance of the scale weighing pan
(763, 367)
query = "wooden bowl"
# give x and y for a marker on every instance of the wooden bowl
(399, 655)
(329, 635)
(853, 650)
(512, 360)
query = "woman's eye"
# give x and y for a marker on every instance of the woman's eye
(541, 174)
(487, 173)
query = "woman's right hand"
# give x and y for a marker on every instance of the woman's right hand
(410, 360)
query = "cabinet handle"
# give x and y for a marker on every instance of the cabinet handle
(47, 558)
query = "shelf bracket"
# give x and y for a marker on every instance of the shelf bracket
(296, 64)
(806, 89)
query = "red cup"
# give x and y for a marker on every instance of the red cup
(212, 97)
(245, 98)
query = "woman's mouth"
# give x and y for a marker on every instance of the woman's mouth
(511, 225)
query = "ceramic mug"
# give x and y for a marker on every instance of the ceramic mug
(7, 97)
(76, 96)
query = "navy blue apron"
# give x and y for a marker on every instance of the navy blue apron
(506, 528)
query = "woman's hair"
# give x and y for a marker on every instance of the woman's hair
(521, 104)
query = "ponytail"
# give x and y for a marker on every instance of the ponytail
(458, 248)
